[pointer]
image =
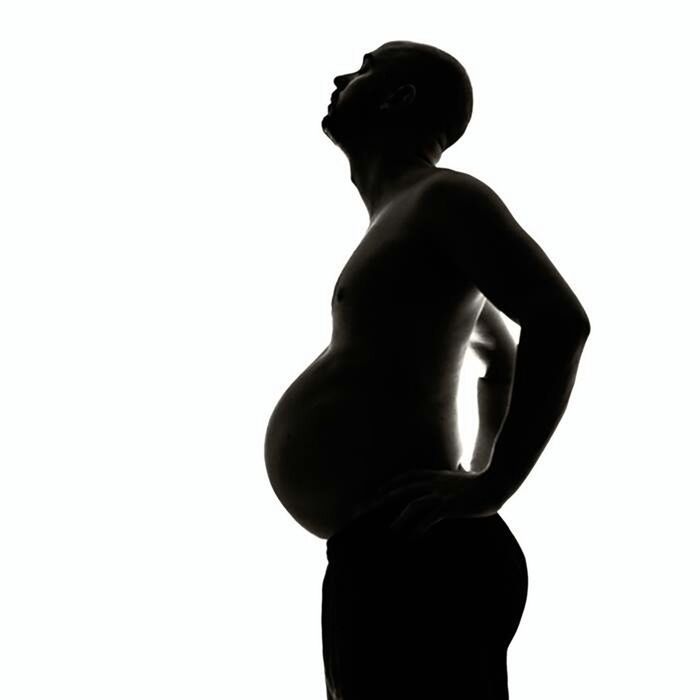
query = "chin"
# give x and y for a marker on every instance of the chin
(327, 128)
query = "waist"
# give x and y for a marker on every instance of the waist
(369, 535)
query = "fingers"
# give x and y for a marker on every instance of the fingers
(418, 516)
(394, 497)
(400, 489)
(413, 476)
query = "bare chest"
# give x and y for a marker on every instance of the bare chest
(382, 264)
(397, 278)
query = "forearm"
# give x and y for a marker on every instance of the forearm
(546, 366)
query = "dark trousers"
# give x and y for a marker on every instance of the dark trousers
(430, 620)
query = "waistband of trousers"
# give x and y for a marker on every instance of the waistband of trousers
(365, 535)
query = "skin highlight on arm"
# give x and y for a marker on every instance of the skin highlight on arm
(494, 346)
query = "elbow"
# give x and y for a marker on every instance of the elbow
(574, 330)
(578, 321)
(566, 326)
(581, 326)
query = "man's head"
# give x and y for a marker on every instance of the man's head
(405, 95)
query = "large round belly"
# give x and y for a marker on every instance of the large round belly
(335, 437)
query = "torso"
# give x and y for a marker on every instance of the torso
(381, 398)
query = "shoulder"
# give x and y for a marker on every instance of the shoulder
(450, 193)
(456, 188)
(447, 181)
(448, 178)
(457, 203)
(476, 232)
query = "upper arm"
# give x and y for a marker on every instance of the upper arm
(479, 235)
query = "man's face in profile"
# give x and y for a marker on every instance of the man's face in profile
(355, 104)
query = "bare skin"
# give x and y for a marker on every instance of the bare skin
(373, 418)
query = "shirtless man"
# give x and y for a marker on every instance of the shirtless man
(365, 443)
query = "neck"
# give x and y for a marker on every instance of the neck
(379, 177)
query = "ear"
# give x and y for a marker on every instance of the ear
(401, 97)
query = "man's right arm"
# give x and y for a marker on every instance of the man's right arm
(476, 232)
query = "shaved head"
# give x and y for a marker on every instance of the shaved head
(443, 103)
(406, 97)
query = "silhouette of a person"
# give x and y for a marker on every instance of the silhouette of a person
(425, 585)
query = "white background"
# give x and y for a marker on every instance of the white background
(173, 221)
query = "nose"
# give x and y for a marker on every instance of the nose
(339, 80)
